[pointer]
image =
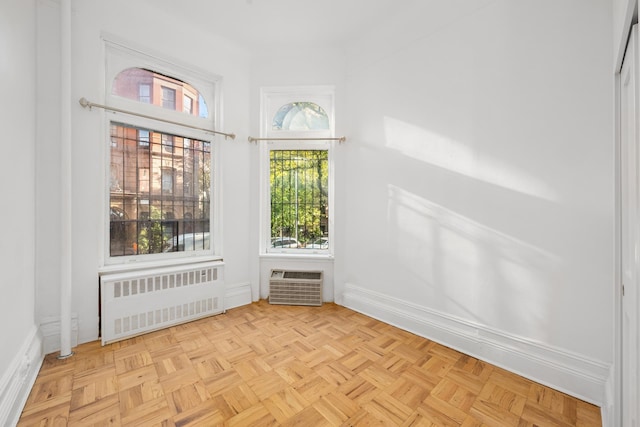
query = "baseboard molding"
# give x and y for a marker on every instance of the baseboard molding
(18, 378)
(50, 327)
(570, 373)
(237, 295)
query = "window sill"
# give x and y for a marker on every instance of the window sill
(139, 265)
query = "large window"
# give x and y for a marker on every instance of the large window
(161, 165)
(156, 204)
(298, 197)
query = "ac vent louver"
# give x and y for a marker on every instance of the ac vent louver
(288, 287)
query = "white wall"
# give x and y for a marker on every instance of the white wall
(17, 68)
(20, 354)
(480, 190)
(156, 33)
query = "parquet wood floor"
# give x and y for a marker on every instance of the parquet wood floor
(264, 365)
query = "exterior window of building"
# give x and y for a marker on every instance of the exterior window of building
(144, 93)
(143, 180)
(168, 98)
(167, 181)
(143, 138)
(298, 203)
(167, 142)
(188, 183)
(187, 104)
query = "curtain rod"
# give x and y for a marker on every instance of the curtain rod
(340, 139)
(88, 104)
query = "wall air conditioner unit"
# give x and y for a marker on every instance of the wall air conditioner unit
(288, 287)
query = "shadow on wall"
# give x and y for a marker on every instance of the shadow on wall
(490, 271)
(469, 267)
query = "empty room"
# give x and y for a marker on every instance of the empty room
(346, 212)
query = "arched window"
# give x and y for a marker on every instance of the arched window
(150, 87)
(297, 164)
(161, 163)
(300, 116)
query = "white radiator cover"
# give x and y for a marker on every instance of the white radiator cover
(141, 301)
(289, 287)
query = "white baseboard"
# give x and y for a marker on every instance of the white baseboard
(18, 378)
(237, 295)
(562, 370)
(50, 327)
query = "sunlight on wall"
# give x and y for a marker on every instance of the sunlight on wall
(444, 152)
(468, 267)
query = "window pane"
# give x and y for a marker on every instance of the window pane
(299, 116)
(168, 98)
(143, 137)
(144, 93)
(299, 199)
(149, 87)
(151, 212)
(187, 105)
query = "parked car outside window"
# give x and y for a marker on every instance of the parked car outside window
(284, 242)
(320, 243)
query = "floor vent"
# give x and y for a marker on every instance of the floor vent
(134, 303)
(295, 287)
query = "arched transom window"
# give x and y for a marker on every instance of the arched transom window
(150, 87)
(301, 116)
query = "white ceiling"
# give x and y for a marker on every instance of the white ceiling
(287, 23)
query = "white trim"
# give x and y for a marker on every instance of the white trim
(612, 404)
(18, 378)
(237, 295)
(562, 370)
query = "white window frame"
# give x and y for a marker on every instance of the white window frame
(119, 56)
(271, 100)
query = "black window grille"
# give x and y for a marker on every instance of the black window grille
(299, 198)
(159, 199)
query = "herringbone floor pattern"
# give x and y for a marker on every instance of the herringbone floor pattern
(262, 365)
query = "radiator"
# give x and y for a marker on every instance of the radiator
(137, 302)
(295, 287)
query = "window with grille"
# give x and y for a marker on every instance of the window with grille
(299, 198)
(159, 200)
(160, 181)
(298, 202)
